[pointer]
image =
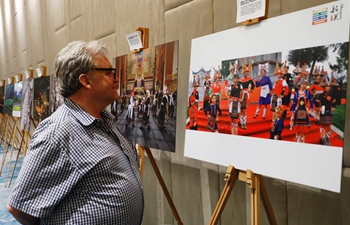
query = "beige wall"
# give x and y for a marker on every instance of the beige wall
(33, 31)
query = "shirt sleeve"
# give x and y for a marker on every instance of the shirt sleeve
(46, 176)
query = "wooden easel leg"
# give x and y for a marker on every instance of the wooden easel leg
(12, 142)
(141, 152)
(162, 184)
(230, 178)
(266, 202)
(254, 185)
(4, 132)
(1, 117)
(13, 138)
(17, 157)
(6, 144)
(28, 137)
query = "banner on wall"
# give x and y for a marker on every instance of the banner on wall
(271, 97)
(146, 111)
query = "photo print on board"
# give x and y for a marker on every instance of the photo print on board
(27, 98)
(146, 110)
(262, 96)
(271, 104)
(17, 100)
(9, 94)
(55, 97)
(2, 98)
(41, 98)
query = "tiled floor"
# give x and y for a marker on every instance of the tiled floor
(5, 217)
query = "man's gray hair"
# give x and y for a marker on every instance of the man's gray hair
(75, 59)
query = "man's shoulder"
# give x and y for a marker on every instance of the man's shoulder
(60, 122)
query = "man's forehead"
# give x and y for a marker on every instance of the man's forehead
(101, 61)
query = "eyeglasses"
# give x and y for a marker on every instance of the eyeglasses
(109, 71)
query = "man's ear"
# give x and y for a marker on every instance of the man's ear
(84, 80)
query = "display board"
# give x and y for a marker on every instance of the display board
(148, 88)
(27, 98)
(9, 94)
(17, 100)
(298, 52)
(41, 98)
(56, 98)
(2, 98)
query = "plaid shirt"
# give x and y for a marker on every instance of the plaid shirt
(80, 170)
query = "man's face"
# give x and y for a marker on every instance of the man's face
(103, 84)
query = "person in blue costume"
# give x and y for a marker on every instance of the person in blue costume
(266, 87)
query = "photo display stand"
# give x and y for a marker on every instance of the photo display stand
(257, 20)
(22, 135)
(10, 140)
(41, 73)
(257, 191)
(141, 151)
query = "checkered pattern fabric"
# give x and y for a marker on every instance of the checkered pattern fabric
(80, 170)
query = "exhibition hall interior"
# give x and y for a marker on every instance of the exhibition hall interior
(237, 117)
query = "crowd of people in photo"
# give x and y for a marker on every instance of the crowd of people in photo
(141, 104)
(290, 94)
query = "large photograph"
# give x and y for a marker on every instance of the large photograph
(274, 96)
(41, 98)
(276, 107)
(17, 100)
(27, 98)
(9, 94)
(146, 112)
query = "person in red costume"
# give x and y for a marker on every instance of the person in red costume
(195, 94)
(248, 86)
(280, 89)
(216, 89)
(192, 114)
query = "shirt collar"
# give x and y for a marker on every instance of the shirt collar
(84, 117)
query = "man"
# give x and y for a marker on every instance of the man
(195, 93)
(79, 168)
(163, 113)
(123, 102)
(146, 111)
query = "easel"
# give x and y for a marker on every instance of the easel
(19, 145)
(257, 191)
(25, 137)
(141, 151)
(257, 20)
(9, 140)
